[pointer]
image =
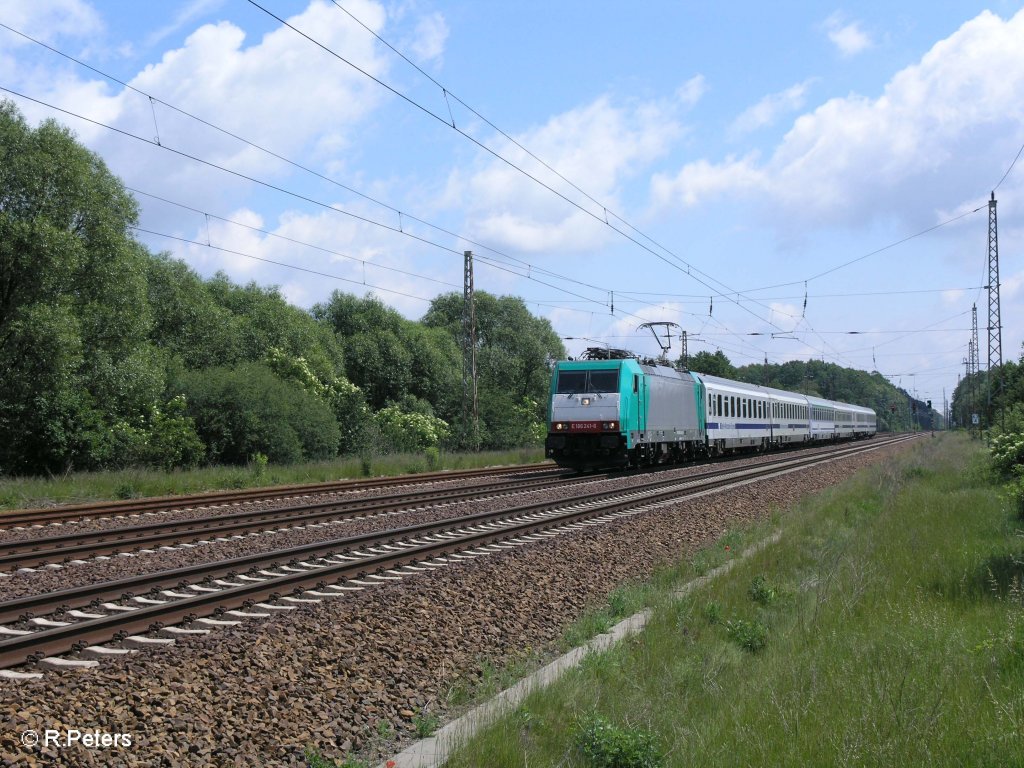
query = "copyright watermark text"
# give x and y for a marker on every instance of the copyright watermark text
(75, 737)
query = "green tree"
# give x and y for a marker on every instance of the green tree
(355, 422)
(187, 322)
(373, 337)
(514, 349)
(713, 364)
(246, 410)
(74, 358)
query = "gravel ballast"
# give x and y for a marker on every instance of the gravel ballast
(330, 675)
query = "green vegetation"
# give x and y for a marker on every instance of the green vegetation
(112, 357)
(1001, 410)
(315, 759)
(602, 744)
(132, 483)
(622, 602)
(425, 723)
(886, 627)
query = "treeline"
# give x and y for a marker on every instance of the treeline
(111, 356)
(897, 411)
(996, 397)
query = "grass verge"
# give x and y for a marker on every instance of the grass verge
(885, 628)
(24, 492)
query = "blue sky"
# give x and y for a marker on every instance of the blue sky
(739, 150)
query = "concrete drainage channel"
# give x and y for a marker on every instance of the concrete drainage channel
(434, 751)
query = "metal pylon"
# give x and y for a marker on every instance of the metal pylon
(469, 384)
(975, 365)
(995, 328)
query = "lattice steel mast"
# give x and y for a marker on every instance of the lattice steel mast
(973, 347)
(995, 328)
(470, 407)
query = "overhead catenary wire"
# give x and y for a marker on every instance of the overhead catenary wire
(398, 212)
(703, 299)
(400, 229)
(293, 240)
(507, 136)
(447, 93)
(1015, 159)
(727, 332)
(737, 300)
(531, 154)
(285, 191)
(296, 267)
(306, 198)
(599, 218)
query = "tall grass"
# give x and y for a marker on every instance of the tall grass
(891, 618)
(22, 492)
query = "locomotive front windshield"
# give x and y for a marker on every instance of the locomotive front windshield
(597, 381)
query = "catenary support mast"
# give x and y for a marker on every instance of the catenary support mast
(469, 382)
(995, 328)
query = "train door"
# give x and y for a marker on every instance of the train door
(640, 390)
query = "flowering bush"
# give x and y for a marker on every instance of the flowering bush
(402, 431)
(345, 399)
(163, 439)
(1007, 453)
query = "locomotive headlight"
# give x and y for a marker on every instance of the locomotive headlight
(560, 426)
(610, 425)
(585, 400)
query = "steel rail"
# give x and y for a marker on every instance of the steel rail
(44, 515)
(91, 594)
(61, 639)
(27, 553)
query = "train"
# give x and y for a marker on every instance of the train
(613, 409)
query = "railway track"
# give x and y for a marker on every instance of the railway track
(260, 585)
(124, 508)
(66, 547)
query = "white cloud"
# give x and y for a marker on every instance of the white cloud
(849, 38)
(431, 35)
(49, 20)
(272, 91)
(690, 92)
(771, 108)
(953, 297)
(339, 252)
(598, 146)
(928, 139)
(702, 180)
(191, 11)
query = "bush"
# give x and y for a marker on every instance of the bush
(345, 399)
(605, 745)
(761, 591)
(404, 432)
(1013, 492)
(240, 412)
(172, 440)
(749, 635)
(1007, 452)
